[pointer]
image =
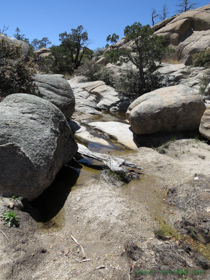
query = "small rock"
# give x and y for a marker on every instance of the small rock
(11, 205)
(202, 262)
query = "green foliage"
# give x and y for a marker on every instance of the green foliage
(98, 52)
(160, 234)
(129, 83)
(90, 70)
(44, 42)
(148, 49)
(75, 43)
(10, 218)
(112, 38)
(202, 58)
(95, 72)
(19, 36)
(59, 61)
(15, 73)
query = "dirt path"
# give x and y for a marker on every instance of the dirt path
(116, 225)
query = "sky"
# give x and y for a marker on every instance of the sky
(49, 18)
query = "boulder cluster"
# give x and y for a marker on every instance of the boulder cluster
(36, 139)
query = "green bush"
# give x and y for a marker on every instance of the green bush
(202, 58)
(95, 72)
(90, 70)
(130, 84)
(10, 218)
(15, 73)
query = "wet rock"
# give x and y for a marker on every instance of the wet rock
(120, 132)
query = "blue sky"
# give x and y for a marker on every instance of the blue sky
(49, 18)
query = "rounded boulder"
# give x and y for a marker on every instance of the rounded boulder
(35, 142)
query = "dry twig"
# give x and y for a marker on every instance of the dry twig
(86, 260)
(83, 252)
(4, 234)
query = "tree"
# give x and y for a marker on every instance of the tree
(112, 39)
(44, 42)
(154, 15)
(164, 13)
(147, 48)
(2, 31)
(35, 44)
(185, 5)
(19, 36)
(59, 61)
(75, 43)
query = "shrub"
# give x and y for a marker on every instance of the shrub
(90, 70)
(15, 73)
(10, 218)
(95, 72)
(130, 84)
(202, 58)
(97, 53)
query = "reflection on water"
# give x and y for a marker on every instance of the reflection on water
(108, 117)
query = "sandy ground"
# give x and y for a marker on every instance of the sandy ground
(116, 224)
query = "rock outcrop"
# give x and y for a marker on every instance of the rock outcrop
(56, 90)
(24, 45)
(92, 97)
(188, 32)
(204, 128)
(172, 109)
(35, 142)
(41, 54)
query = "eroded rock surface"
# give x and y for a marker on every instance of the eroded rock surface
(92, 97)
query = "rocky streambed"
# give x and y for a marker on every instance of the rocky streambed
(155, 227)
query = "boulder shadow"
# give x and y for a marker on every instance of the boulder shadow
(50, 202)
(159, 139)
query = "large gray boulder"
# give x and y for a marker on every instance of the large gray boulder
(35, 142)
(24, 45)
(57, 90)
(171, 109)
(204, 128)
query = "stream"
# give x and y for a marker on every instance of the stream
(147, 190)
